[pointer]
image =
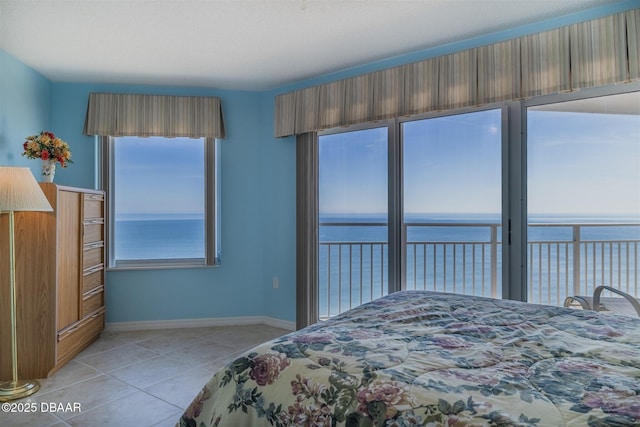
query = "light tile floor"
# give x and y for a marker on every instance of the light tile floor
(138, 378)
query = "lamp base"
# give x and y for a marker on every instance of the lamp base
(12, 390)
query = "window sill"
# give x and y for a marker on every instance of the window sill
(162, 264)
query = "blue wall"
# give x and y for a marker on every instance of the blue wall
(25, 109)
(256, 231)
(258, 185)
(257, 200)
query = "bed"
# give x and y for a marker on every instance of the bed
(432, 359)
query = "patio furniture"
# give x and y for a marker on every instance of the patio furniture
(626, 304)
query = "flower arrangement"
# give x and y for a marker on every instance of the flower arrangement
(47, 146)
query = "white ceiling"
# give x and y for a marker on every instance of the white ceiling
(244, 44)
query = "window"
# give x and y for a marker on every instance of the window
(353, 219)
(452, 187)
(449, 190)
(583, 180)
(162, 202)
(532, 200)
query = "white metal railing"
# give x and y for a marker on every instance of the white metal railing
(567, 262)
(577, 264)
(352, 272)
(454, 265)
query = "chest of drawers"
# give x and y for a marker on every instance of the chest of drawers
(59, 278)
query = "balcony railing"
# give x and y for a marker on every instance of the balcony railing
(563, 259)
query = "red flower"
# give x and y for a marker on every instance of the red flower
(46, 146)
(266, 368)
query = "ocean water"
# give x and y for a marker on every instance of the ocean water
(456, 256)
(453, 256)
(458, 233)
(159, 236)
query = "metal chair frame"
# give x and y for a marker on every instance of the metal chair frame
(611, 304)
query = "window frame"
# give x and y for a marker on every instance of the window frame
(212, 240)
(396, 274)
(514, 181)
(520, 227)
(506, 190)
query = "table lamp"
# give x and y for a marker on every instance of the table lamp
(19, 191)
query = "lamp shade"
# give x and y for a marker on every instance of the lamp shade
(19, 191)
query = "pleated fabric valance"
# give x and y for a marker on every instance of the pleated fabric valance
(116, 114)
(588, 54)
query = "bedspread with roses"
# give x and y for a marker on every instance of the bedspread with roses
(417, 358)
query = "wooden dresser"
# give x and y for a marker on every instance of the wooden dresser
(59, 281)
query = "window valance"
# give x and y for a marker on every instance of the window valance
(588, 54)
(116, 114)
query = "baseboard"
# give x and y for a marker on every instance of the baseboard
(199, 323)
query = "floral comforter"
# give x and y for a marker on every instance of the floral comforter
(432, 359)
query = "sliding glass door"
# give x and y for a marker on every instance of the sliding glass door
(421, 203)
(452, 189)
(353, 231)
(583, 186)
(438, 226)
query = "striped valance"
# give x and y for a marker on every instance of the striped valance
(592, 53)
(116, 114)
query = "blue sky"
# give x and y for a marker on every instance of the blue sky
(157, 174)
(578, 163)
(452, 164)
(587, 163)
(353, 168)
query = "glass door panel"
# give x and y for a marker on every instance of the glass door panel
(583, 197)
(353, 229)
(453, 203)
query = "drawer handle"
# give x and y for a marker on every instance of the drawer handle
(93, 293)
(70, 331)
(94, 245)
(93, 196)
(93, 222)
(93, 269)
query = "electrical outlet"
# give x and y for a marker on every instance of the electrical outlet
(276, 282)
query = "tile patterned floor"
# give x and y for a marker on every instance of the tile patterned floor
(141, 378)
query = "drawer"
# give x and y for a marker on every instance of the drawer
(93, 300)
(93, 205)
(93, 231)
(76, 336)
(92, 279)
(93, 255)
